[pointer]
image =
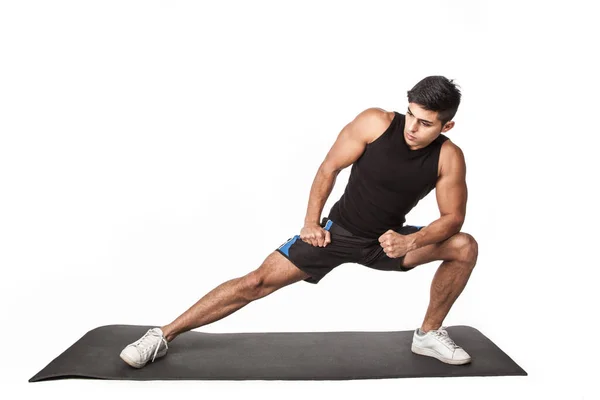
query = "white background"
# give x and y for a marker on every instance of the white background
(151, 150)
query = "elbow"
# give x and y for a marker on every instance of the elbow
(457, 223)
(328, 169)
(454, 222)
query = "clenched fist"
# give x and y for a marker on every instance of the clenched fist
(394, 244)
(315, 235)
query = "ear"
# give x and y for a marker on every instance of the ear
(448, 126)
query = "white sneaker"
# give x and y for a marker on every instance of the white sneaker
(437, 344)
(152, 345)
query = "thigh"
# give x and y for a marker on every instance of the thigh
(450, 249)
(377, 259)
(277, 271)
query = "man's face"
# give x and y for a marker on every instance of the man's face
(422, 126)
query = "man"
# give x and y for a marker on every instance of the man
(397, 160)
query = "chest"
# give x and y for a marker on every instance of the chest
(397, 170)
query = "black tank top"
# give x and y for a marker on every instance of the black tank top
(386, 182)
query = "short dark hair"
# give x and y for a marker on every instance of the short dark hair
(437, 93)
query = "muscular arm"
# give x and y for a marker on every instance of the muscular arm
(319, 193)
(348, 147)
(451, 194)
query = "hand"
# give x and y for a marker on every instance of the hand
(394, 244)
(315, 235)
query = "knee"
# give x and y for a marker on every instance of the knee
(253, 285)
(467, 248)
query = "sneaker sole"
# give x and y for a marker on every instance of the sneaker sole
(130, 361)
(435, 354)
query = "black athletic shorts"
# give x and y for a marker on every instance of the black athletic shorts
(345, 247)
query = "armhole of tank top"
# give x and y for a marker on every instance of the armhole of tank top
(388, 129)
(439, 157)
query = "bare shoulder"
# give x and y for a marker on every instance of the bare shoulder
(373, 122)
(452, 159)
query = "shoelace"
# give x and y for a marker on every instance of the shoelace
(442, 335)
(143, 344)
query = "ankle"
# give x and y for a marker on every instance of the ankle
(168, 333)
(427, 328)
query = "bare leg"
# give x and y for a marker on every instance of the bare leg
(449, 281)
(274, 273)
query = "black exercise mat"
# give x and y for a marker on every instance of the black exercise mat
(275, 356)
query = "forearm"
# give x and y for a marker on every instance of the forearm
(439, 230)
(319, 192)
